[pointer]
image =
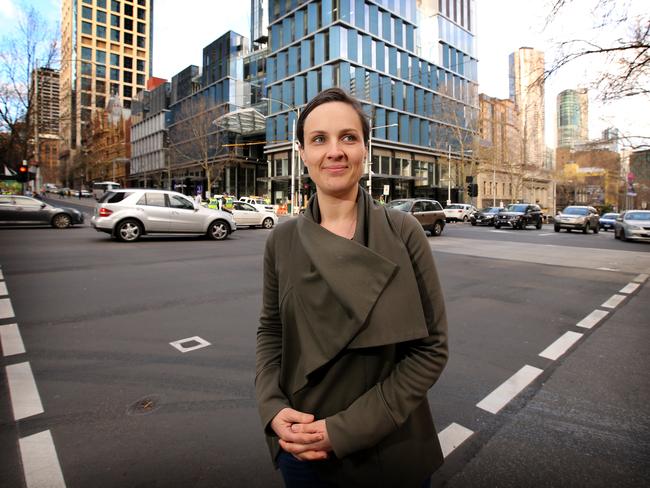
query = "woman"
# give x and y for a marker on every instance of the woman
(353, 328)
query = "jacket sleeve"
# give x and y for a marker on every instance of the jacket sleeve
(384, 408)
(270, 398)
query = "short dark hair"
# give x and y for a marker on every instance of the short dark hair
(332, 95)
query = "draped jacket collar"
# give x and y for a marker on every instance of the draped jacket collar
(352, 293)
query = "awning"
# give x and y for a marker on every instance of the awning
(245, 121)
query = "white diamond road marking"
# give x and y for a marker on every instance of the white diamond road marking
(509, 389)
(629, 288)
(179, 344)
(641, 278)
(25, 400)
(592, 319)
(561, 345)
(6, 310)
(3, 289)
(452, 437)
(613, 301)
(40, 461)
(12, 343)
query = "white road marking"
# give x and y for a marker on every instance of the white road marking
(641, 278)
(40, 461)
(3, 289)
(25, 400)
(509, 389)
(179, 344)
(12, 343)
(6, 310)
(613, 301)
(453, 436)
(592, 319)
(607, 269)
(1, 275)
(561, 345)
(629, 288)
(546, 234)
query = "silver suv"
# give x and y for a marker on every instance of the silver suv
(578, 217)
(129, 213)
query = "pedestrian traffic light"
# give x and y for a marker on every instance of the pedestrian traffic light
(23, 174)
(469, 190)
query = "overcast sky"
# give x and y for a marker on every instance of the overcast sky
(181, 32)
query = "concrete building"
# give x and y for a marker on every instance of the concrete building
(412, 64)
(45, 108)
(572, 117)
(106, 48)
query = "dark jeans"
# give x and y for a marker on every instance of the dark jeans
(302, 474)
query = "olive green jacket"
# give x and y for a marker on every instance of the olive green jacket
(355, 332)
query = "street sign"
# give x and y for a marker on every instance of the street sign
(386, 189)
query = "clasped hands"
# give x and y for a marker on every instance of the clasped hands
(301, 435)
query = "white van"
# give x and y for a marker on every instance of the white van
(101, 187)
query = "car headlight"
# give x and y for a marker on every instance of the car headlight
(634, 227)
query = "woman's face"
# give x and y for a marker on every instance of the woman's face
(334, 152)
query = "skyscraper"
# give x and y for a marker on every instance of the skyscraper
(572, 117)
(106, 48)
(527, 90)
(45, 112)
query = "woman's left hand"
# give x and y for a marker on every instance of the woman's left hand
(313, 451)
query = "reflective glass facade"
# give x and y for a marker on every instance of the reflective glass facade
(374, 50)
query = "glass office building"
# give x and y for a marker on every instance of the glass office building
(411, 63)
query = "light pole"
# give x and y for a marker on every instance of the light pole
(370, 153)
(449, 175)
(296, 112)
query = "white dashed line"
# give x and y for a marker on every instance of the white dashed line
(25, 400)
(40, 461)
(561, 345)
(6, 310)
(545, 234)
(614, 301)
(1, 275)
(194, 343)
(607, 269)
(629, 288)
(641, 278)
(500, 397)
(592, 319)
(12, 343)
(452, 437)
(3, 289)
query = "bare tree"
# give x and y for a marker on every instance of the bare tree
(629, 54)
(33, 45)
(195, 138)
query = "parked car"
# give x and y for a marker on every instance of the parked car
(607, 221)
(519, 216)
(19, 210)
(633, 225)
(428, 212)
(459, 211)
(127, 214)
(247, 214)
(485, 216)
(258, 203)
(577, 217)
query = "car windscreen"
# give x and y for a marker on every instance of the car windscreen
(490, 210)
(403, 205)
(610, 216)
(575, 211)
(517, 208)
(637, 216)
(455, 206)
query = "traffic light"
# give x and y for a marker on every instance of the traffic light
(23, 174)
(472, 190)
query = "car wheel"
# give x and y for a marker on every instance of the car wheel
(497, 226)
(218, 230)
(556, 228)
(437, 228)
(616, 236)
(267, 223)
(538, 226)
(61, 221)
(128, 230)
(465, 219)
(473, 223)
(596, 230)
(622, 235)
(586, 228)
(521, 225)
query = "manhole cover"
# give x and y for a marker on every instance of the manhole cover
(144, 406)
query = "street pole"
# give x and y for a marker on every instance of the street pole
(293, 156)
(449, 176)
(370, 161)
(494, 185)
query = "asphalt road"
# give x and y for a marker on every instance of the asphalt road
(126, 408)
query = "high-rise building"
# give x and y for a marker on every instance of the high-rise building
(412, 64)
(572, 117)
(527, 90)
(45, 116)
(106, 50)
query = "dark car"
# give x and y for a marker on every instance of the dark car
(485, 216)
(428, 212)
(577, 217)
(607, 221)
(519, 216)
(19, 210)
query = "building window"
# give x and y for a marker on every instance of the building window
(140, 64)
(141, 14)
(115, 59)
(86, 68)
(86, 28)
(128, 92)
(140, 79)
(100, 101)
(100, 86)
(142, 2)
(128, 38)
(128, 77)
(86, 99)
(100, 71)
(87, 13)
(115, 20)
(128, 62)
(86, 83)
(100, 56)
(101, 31)
(100, 16)
(115, 74)
(141, 42)
(128, 24)
(115, 6)
(86, 53)
(141, 28)
(115, 35)
(128, 10)
(101, 3)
